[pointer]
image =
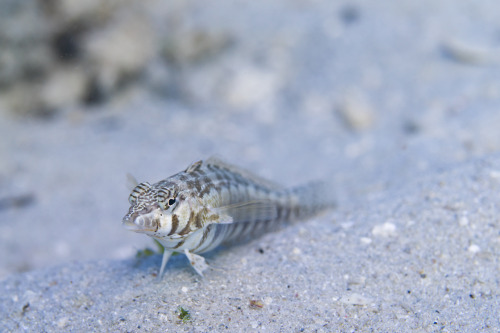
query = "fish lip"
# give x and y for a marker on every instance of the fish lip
(130, 224)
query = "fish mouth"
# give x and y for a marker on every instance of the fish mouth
(129, 225)
(142, 223)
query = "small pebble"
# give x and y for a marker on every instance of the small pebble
(356, 112)
(347, 225)
(468, 53)
(463, 221)
(474, 248)
(268, 300)
(256, 304)
(366, 240)
(495, 174)
(61, 323)
(385, 230)
(355, 299)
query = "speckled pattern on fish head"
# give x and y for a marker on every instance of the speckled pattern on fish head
(151, 207)
(171, 209)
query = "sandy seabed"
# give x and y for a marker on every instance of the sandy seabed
(396, 104)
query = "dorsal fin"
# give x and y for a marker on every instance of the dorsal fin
(194, 166)
(244, 173)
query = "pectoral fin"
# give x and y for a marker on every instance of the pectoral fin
(166, 255)
(197, 262)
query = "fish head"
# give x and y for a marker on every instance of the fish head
(150, 208)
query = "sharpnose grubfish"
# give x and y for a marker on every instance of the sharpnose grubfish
(212, 202)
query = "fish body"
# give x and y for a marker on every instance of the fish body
(212, 202)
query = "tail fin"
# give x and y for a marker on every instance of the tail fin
(310, 199)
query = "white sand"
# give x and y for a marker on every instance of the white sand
(406, 132)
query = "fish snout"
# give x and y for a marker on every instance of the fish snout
(145, 220)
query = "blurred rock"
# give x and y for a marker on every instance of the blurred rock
(468, 53)
(249, 86)
(23, 98)
(24, 35)
(67, 12)
(193, 44)
(59, 53)
(64, 87)
(356, 111)
(121, 50)
(197, 58)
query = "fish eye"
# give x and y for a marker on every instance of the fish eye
(162, 197)
(171, 201)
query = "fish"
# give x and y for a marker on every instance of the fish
(212, 202)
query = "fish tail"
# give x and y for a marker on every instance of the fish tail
(309, 199)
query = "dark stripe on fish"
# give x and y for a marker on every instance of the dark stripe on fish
(175, 224)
